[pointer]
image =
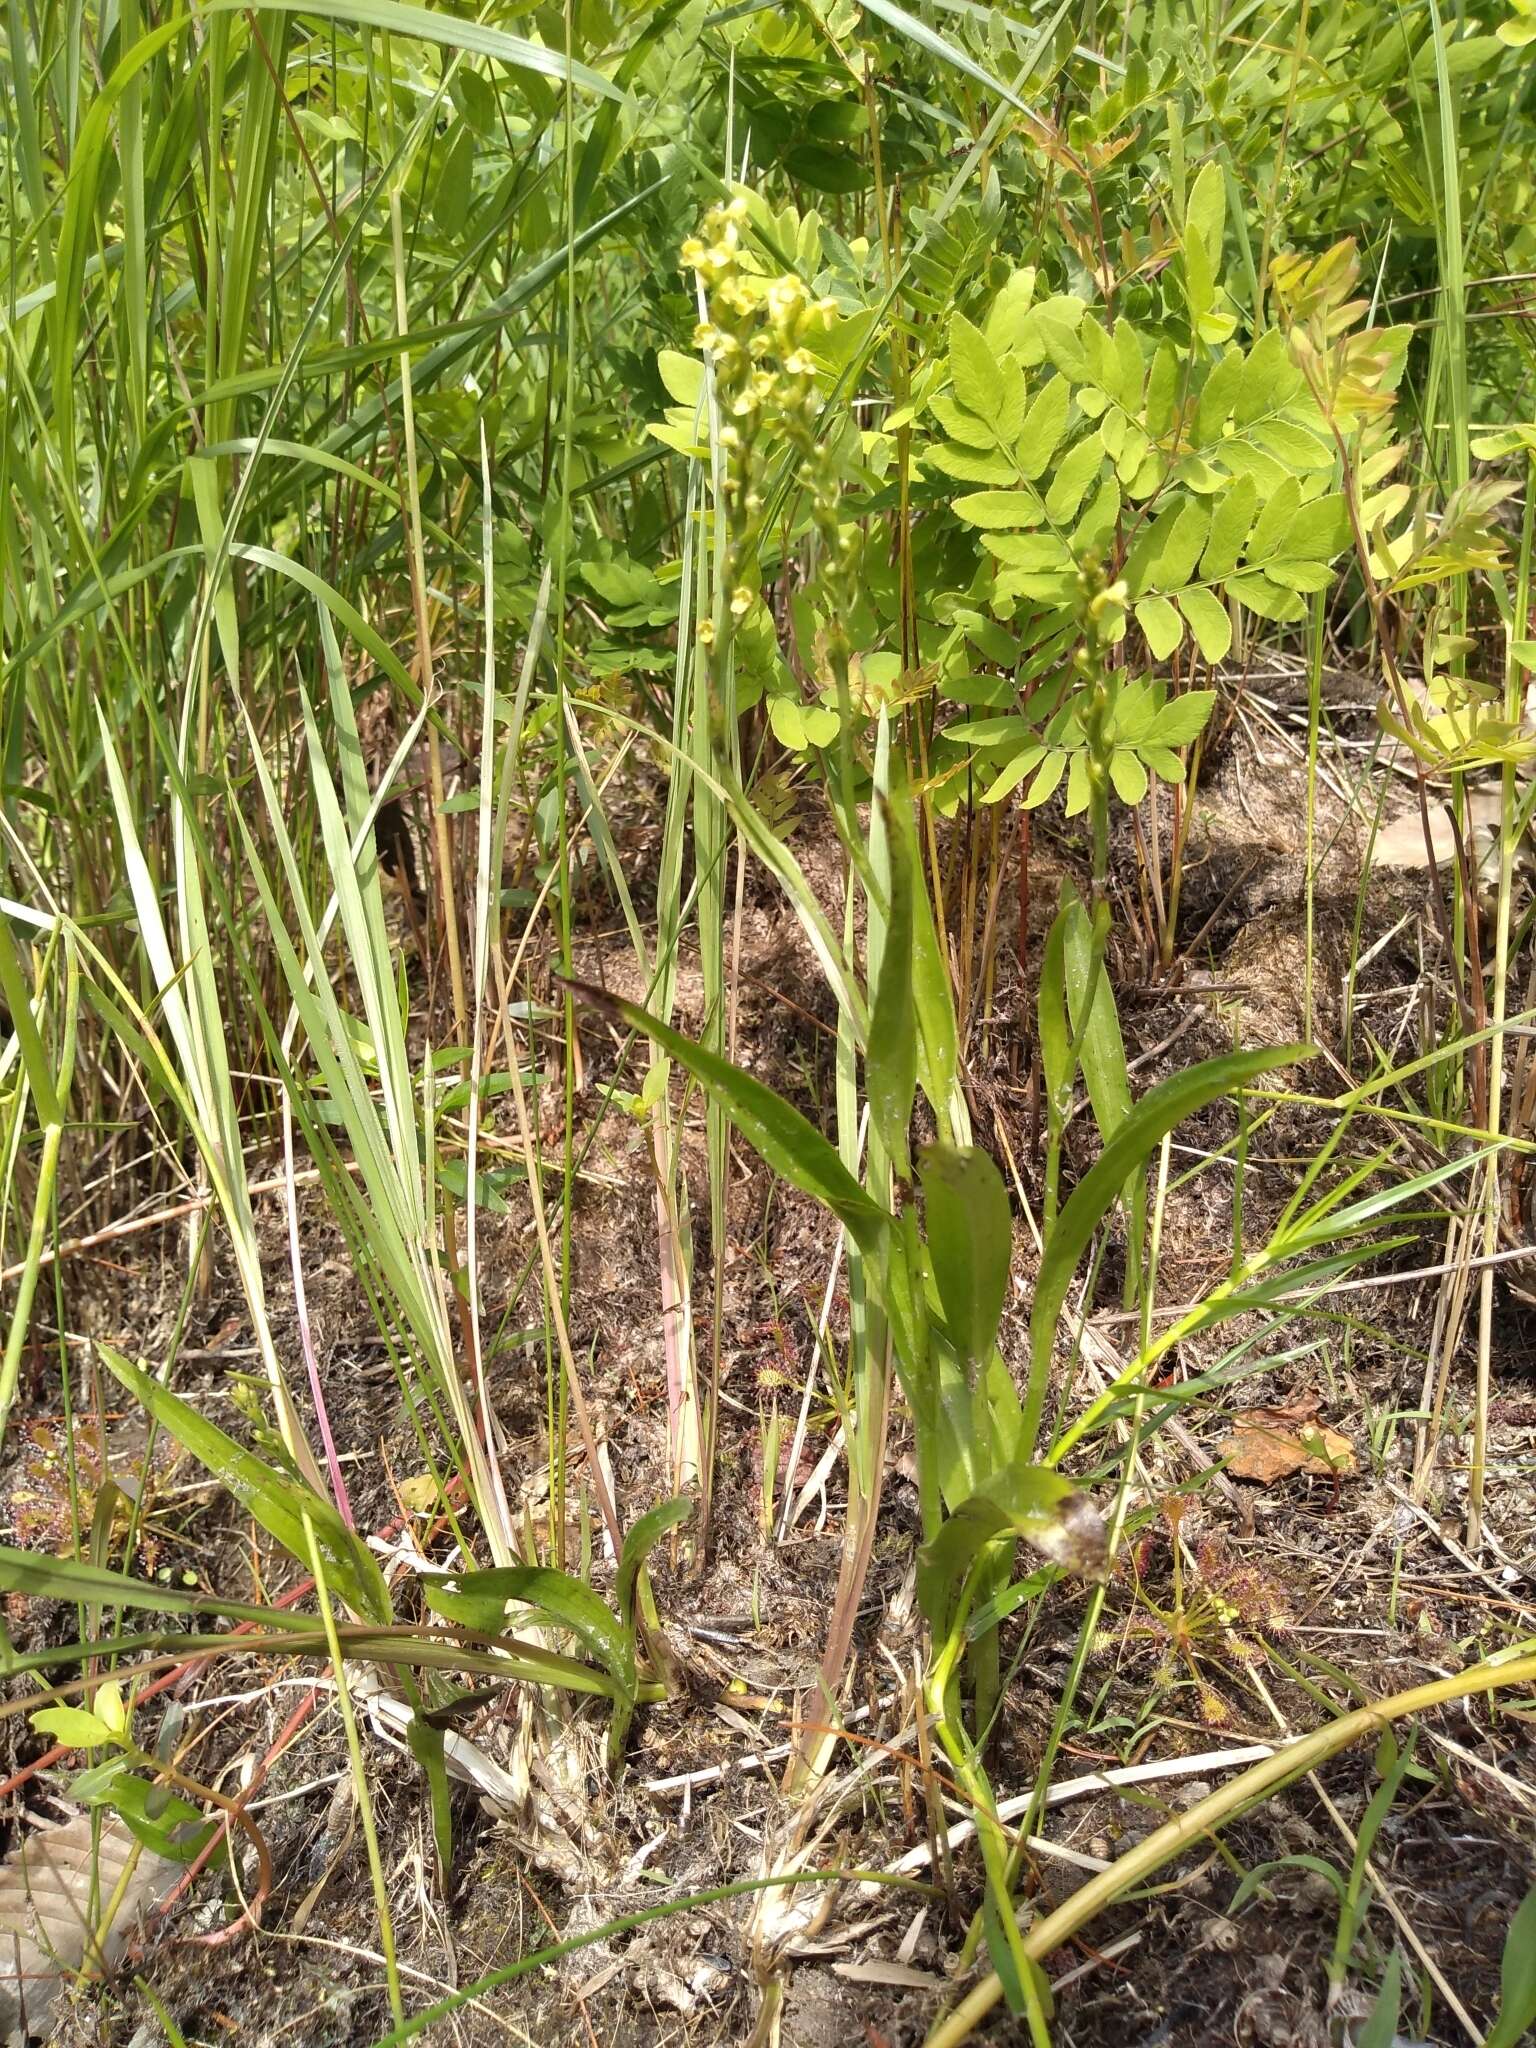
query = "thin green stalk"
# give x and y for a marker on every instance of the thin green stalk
(359, 1777)
(1316, 630)
(1194, 1827)
(1492, 1193)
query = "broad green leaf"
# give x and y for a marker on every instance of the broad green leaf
(1207, 211)
(1209, 621)
(1162, 762)
(1162, 390)
(1158, 1112)
(1182, 718)
(1141, 562)
(1293, 445)
(1199, 280)
(172, 1827)
(798, 726)
(1218, 395)
(974, 370)
(1491, 445)
(1034, 552)
(1012, 773)
(563, 1598)
(1045, 784)
(1045, 424)
(1176, 564)
(1026, 1500)
(1128, 776)
(1130, 366)
(472, 1596)
(970, 1243)
(1079, 786)
(282, 1505)
(793, 1147)
(682, 375)
(1296, 574)
(1006, 314)
(1265, 598)
(475, 1606)
(73, 1727)
(1320, 529)
(1161, 624)
(999, 508)
(963, 425)
(970, 465)
(1069, 486)
(1099, 357)
(1231, 519)
(1095, 532)
(1054, 325)
(1132, 458)
(991, 732)
(1269, 379)
(1009, 417)
(1272, 522)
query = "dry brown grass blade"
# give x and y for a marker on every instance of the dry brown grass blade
(66, 1905)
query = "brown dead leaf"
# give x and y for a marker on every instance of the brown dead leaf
(53, 1889)
(1401, 844)
(1271, 1444)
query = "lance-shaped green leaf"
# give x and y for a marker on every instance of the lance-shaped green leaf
(1030, 1502)
(281, 1504)
(890, 1060)
(1101, 1048)
(1517, 1979)
(1157, 1113)
(479, 1599)
(791, 1145)
(42, 1577)
(932, 1000)
(286, 1633)
(970, 1243)
(639, 1541)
